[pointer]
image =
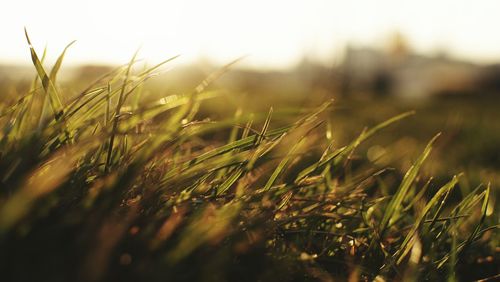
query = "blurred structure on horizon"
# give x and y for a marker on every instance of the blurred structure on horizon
(398, 70)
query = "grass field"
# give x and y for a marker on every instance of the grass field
(113, 185)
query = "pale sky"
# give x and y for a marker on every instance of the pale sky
(274, 34)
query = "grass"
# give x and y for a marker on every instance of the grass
(109, 186)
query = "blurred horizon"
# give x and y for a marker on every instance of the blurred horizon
(273, 35)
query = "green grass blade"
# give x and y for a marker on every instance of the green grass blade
(406, 183)
(282, 165)
(119, 105)
(405, 247)
(57, 65)
(233, 177)
(48, 86)
(264, 127)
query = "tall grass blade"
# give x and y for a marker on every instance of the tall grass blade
(397, 199)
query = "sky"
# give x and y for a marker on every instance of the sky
(270, 33)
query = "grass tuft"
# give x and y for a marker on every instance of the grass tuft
(115, 188)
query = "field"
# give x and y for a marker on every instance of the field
(120, 183)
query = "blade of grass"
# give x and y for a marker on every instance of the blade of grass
(406, 183)
(115, 119)
(405, 246)
(47, 83)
